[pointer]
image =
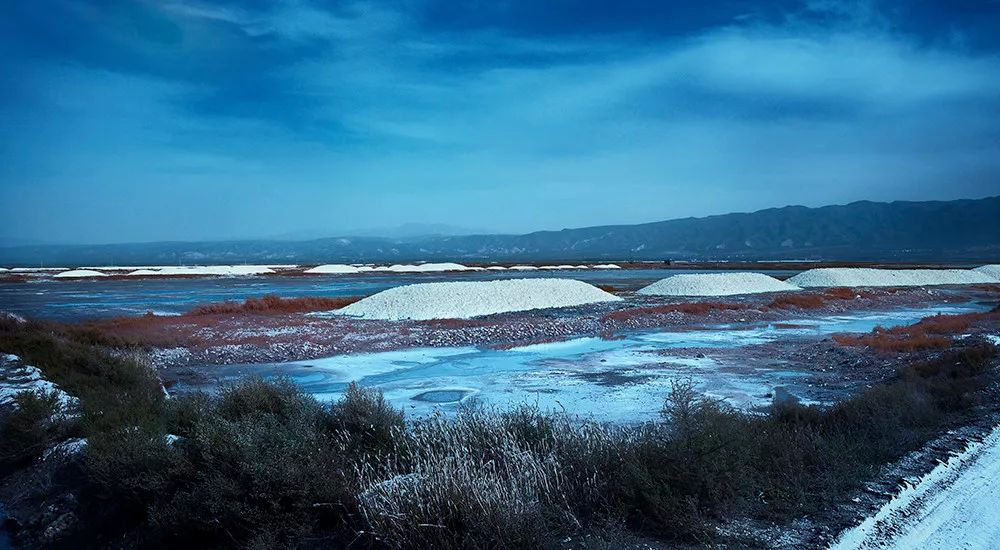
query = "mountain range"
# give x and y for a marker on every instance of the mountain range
(958, 230)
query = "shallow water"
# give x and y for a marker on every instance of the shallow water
(76, 300)
(611, 380)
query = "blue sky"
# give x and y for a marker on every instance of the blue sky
(185, 120)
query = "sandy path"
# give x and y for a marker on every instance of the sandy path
(956, 505)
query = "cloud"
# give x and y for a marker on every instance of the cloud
(362, 113)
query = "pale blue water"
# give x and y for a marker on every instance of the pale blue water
(613, 380)
(76, 300)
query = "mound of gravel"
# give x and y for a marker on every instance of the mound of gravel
(333, 269)
(463, 300)
(716, 284)
(863, 276)
(991, 270)
(78, 274)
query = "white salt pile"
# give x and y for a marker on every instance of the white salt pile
(78, 273)
(716, 284)
(463, 300)
(524, 268)
(333, 269)
(863, 276)
(427, 268)
(606, 266)
(991, 270)
(203, 270)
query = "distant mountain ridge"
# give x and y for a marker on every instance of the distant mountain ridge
(957, 230)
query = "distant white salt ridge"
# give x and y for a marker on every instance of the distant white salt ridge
(427, 268)
(863, 276)
(200, 270)
(463, 300)
(78, 274)
(716, 284)
(334, 269)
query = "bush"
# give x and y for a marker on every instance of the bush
(258, 461)
(933, 332)
(30, 427)
(369, 424)
(801, 301)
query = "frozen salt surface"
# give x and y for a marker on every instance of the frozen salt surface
(716, 284)
(463, 300)
(956, 505)
(78, 273)
(621, 380)
(990, 270)
(334, 269)
(863, 276)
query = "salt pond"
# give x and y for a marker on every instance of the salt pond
(620, 380)
(70, 300)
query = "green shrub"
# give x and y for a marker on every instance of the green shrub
(367, 422)
(30, 427)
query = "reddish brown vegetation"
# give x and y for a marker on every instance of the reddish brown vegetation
(183, 330)
(275, 304)
(841, 293)
(690, 308)
(932, 332)
(801, 301)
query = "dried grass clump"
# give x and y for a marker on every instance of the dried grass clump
(485, 479)
(933, 332)
(841, 293)
(800, 301)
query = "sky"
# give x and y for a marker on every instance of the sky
(127, 121)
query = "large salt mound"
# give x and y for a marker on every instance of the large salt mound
(992, 270)
(333, 268)
(864, 276)
(462, 300)
(203, 270)
(78, 273)
(716, 284)
(427, 268)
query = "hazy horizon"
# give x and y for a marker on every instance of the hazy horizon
(195, 120)
(412, 230)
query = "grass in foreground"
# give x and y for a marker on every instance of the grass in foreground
(262, 465)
